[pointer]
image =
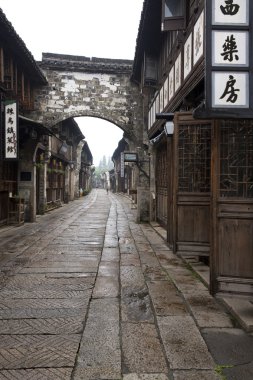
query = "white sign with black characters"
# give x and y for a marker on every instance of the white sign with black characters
(122, 165)
(166, 93)
(171, 83)
(228, 63)
(178, 70)
(198, 39)
(230, 48)
(230, 89)
(232, 12)
(188, 56)
(11, 130)
(161, 99)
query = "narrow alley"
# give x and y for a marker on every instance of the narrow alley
(87, 293)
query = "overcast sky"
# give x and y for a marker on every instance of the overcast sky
(91, 28)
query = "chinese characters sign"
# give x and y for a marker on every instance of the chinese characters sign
(122, 165)
(230, 12)
(228, 63)
(198, 39)
(11, 129)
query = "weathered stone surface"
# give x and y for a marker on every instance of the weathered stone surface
(206, 311)
(31, 351)
(166, 299)
(37, 374)
(96, 88)
(131, 276)
(136, 305)
(143, 376)
(155, 273)
(196, 375)
(54, 294)
(53, 326)
(106, 287)
(130, 260)
(234, 351)
(184, 346)
(42, 308)
(100, 354)
(108, 268)
(110, 254)
(142, 350)
(126, 334)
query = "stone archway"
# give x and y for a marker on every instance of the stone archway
(97, 87)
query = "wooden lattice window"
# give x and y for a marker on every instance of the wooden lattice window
(162, 166)
(194, 158)
(27, 94)
(20, 85)
(8, 72)
(236, 159)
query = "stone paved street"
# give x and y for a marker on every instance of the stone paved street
(87, 293)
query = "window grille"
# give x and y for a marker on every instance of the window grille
(236, 159)
(194, 158)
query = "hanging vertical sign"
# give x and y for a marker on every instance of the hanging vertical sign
(229, 61)
(11, 130)
(122, 165)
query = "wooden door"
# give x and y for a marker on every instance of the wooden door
(232, 242)
(191, 188)
(161, 176)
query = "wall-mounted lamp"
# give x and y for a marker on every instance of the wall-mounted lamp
(169, 128)
(169, 125)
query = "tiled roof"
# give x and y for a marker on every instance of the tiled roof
(80, 63)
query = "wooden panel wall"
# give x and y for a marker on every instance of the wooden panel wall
(232, 237)
(191, 200)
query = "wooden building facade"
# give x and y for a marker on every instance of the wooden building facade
(202, 160)
(38, 165)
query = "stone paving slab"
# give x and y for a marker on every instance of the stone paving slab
(131, 276)
(51, 282)
(18, 294)
(53, 326)
(31, 351)
(100, 354)
(234, 350)
(149, 259)
(149, 330)
(108, 268)
(155, 273)
(37, 374)
(136, 305)
(165, 299)
(196, 375)
(130, 260)
(42, 308)
(206, 311)
(242, 310)
(183, 343)
(64, 263)
(106, 287)
(111, 254)
(142, 349)
(144, 376)
(67, 258)
(76, 269)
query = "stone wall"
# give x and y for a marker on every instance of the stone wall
(80, 86)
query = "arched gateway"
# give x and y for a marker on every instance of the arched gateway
(80, 86)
